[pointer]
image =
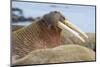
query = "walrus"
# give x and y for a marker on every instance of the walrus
(42, 33)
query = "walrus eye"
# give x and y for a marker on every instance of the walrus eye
(55, 11)
(62, 18)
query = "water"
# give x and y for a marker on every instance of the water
(22, 23)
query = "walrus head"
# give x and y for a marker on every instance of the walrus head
(55, 20)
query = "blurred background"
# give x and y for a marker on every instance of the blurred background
(24, 13)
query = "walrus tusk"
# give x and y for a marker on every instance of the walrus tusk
(64, 27)
(66, 22)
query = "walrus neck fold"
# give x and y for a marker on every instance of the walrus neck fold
(32, 37)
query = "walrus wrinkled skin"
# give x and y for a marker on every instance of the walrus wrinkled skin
(70, 39)
(35, 36)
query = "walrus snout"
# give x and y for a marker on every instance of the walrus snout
(51, 19)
